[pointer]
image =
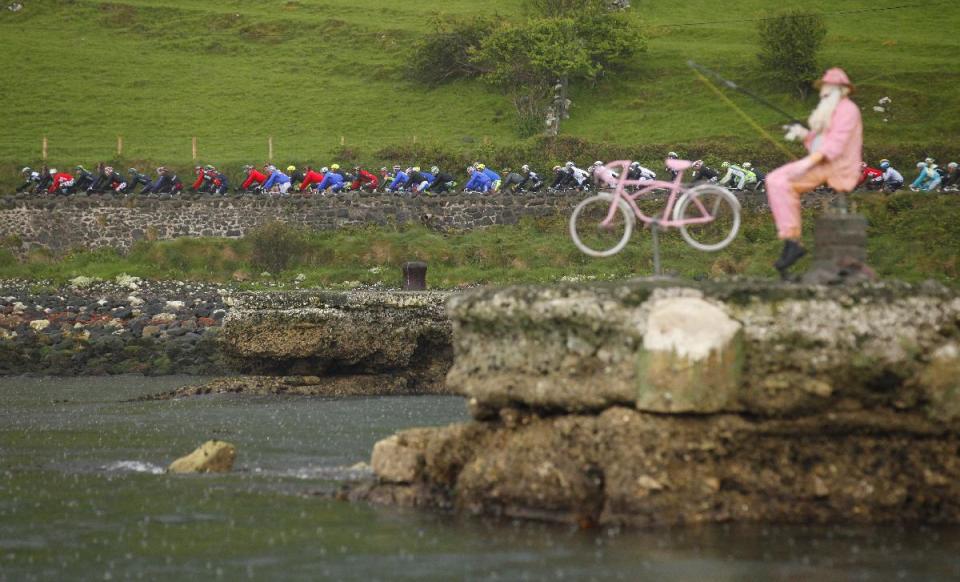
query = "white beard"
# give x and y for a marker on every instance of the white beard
(820, 118)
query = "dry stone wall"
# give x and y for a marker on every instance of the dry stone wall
(65, 223)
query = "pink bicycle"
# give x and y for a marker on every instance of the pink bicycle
(708, 216)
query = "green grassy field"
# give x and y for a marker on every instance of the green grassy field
(912, 237)
(308, 73)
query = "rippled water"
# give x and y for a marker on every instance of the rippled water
(83, 496)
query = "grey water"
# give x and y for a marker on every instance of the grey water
(83, 496)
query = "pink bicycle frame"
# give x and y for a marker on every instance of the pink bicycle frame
(618, 183)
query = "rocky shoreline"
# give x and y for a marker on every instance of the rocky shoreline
(299, 341)
(118, 327)
(658, 402)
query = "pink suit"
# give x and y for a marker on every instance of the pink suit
(842, 148)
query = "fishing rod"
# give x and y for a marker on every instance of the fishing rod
(731, 85)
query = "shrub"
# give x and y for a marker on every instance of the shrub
(275, 246)
(444, 54)
(789, 43)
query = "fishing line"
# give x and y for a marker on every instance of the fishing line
(744, 115)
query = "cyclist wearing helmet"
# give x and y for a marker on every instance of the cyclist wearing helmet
(277, 181)
(478, 181)
(255, 179)
(673, 173)
(32, 179)
(870, 178)
(332, 181)
(495, 180)
(704, 173)
(531, 180)
(296, 176)
(82, 179)
(736, 173)
(928, 179)
(310, 178)
(61, 183)
(951, 183)
(364, 180)
(512, 181)
(419, 179)
(400, 180)
(137, 179)
(442, 183)
(892, 179)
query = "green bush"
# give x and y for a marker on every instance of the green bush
(275, 246)
(444, 54)
(789, 43)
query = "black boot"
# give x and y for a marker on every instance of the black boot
(792, 252)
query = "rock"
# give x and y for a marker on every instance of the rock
(940, 380)
(394, 460)
(692, 358)
(211, 457)
(150, 331)
(39, 324)
(173, 306)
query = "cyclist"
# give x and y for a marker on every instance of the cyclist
(32, 179)
(478, 181)
(673, 173)
(951, 183)
(870, 178)
(704, 173)
(364, 180)
(61, 182)
(254, 181)
(332, 181)
(136, 179)
(928, 179)
(399, 180)
(638, 173)
(166, 183)
(531, 180)
(278, 182)
(495, 180)
(82, 179)
(419, 180)
(310, 178)
(580, 176)
(892, 179)
(512, 182)
(735, 172)
(442, 182)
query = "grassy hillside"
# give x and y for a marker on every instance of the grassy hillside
(912, 237)
(309, 72)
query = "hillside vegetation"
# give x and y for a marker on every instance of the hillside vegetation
(911, 237)
(308, 73)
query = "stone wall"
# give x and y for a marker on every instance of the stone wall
(65, 223)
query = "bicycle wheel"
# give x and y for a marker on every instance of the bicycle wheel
(719, 206)
(590, 236)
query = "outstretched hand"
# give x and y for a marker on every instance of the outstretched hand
(795, 132)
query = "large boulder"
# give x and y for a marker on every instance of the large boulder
(211, 457)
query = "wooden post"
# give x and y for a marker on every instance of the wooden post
(414, 140)
(342, 141)
(270, 148)
(194, 149)
(119, 146)
(43, 149)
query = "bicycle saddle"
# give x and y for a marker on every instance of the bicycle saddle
(678, 165)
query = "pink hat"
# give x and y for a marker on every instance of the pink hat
(835, 76)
